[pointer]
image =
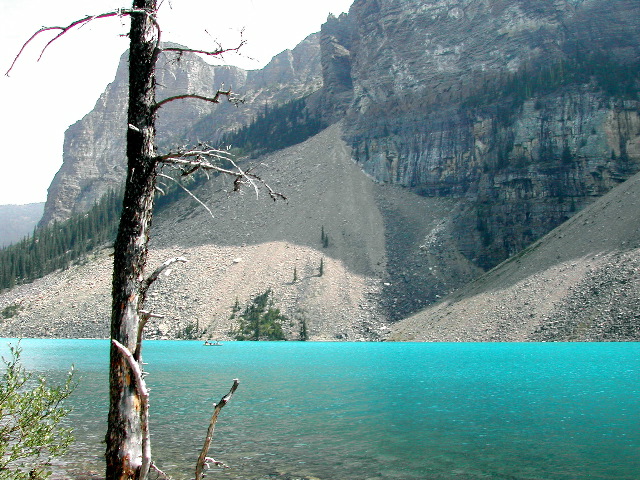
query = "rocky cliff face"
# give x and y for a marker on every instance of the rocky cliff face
(505, 118)
(580, 282)
(516, 108)
(94, 147)
(336, 41)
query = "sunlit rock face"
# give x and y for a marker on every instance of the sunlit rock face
(94, 147)
(522, 110)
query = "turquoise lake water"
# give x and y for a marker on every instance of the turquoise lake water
(356, 411)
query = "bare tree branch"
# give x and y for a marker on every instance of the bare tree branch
(192, 160)
(180, 157)
(147, 315)
(275, 196)
(212, 53)
(144, 315)
(156, 273)
(77, 23)
(203, 460)
(144, 318)
(143, 393)
(215, 99)
(189, 191)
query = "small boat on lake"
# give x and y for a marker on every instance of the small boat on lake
(209, 343)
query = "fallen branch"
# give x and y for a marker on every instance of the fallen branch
(203, 460)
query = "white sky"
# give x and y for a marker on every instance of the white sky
(41, 99)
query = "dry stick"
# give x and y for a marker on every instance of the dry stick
(244, 175)
(189, 192)
(143, 392)
(214, 53)
(214, 99)
(203, 459)
(156, 273)
(63, 30)
(218, 52)
(117, 13)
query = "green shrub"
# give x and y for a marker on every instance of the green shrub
(10, 311)
(191, 331)
(30, 416)
(260, 320)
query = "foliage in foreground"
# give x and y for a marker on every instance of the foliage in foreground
(30, 416)
(260, 320)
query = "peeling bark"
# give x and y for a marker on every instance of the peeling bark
(128, 451)
(124, 454)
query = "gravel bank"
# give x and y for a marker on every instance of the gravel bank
(581, 282)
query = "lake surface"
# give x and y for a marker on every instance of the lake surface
(356, 411)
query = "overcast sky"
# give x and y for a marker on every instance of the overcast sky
(40, 99)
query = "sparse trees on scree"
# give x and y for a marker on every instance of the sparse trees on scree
(128, 451)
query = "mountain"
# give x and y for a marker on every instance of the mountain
(250, 245)
(18, 221)
(466, 131)
(94, 159)
(524, 110)
(580, 282)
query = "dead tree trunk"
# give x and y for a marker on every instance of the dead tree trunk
(127, 456)
(128, 453)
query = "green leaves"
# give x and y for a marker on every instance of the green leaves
(260, 320)
(31, 412)
(10, 311)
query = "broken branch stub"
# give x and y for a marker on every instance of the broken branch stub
(143, 394)
(156, 273)
(203, 459)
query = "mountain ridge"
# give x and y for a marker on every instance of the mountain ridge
(479, 126)
(577, 283)
(94, 158)
(18, 221)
